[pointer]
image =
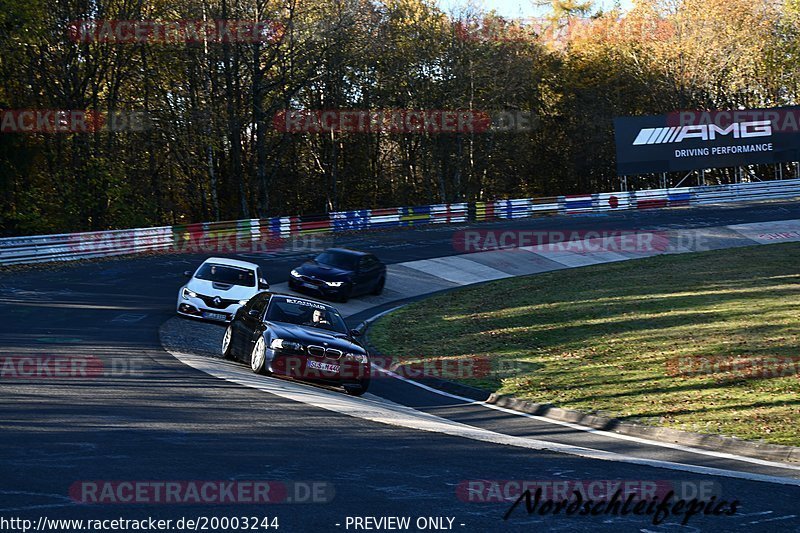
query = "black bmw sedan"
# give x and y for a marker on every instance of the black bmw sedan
(298, 338)
(340, 273)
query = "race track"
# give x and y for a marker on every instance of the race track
(400, 451)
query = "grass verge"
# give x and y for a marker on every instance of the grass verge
(703, 342)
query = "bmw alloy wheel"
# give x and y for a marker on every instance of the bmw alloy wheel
(257, 356)
(226, 343)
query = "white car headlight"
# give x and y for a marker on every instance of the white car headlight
(295, 273)
(283, 344)
(334, 283)
(188, 293)
(243, 302)
(357, 357)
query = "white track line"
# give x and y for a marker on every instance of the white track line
(787, 517)
(402, 416)
(572, 425)
(639, 440)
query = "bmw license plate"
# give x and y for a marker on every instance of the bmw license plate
(213, 316)
(326, 367)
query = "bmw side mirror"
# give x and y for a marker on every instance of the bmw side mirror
(355, 333)
(187, 273)
(253, 313)
(262, 284)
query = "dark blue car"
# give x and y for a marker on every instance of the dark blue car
(339, 274)
(298, 338)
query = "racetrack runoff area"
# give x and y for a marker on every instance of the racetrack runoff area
(703, 342)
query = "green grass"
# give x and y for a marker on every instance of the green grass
(601, 338)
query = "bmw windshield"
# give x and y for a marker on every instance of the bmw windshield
(228, 275)
(337, 260)
(305, 313)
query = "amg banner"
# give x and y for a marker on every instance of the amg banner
(689, 140)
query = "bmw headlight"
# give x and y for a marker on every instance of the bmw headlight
(283, 344)
(295, 273)
(334, 283)
(357, 357)
(243, 302)
(188, 294)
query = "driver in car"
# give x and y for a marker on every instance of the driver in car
(318, 319)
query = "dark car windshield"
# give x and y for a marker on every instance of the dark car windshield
(227, 274)
(341, 260)
(305, 313)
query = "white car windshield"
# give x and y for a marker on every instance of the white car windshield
(228, 275)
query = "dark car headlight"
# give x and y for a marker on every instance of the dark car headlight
(295, 273)
(283, 344)
(334, 283)
(357, 357)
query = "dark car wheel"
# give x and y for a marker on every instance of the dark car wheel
(258, 357)
(357, 389)
(379, 287)
(345, 294)
(226, 343)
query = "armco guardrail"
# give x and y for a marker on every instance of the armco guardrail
(253, 235)
(267, 234)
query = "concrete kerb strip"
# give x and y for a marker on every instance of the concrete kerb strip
(690, 442)
(758, 450)
(380, 411)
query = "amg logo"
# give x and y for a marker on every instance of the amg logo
(705, 132)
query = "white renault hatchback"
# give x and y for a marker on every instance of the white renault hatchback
(218, 288)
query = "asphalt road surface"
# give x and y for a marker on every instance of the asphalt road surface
(142, 416)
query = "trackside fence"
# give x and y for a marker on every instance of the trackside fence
(238, 234)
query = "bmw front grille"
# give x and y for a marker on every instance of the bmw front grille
(319, 351)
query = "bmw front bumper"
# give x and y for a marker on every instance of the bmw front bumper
(323, 289)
